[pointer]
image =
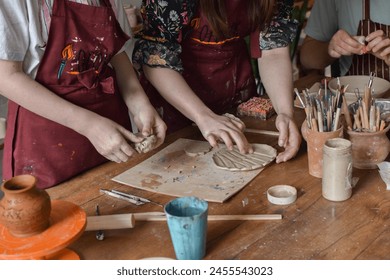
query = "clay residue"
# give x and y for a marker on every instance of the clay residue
(197, 148)
(171, 157)
(151, 181)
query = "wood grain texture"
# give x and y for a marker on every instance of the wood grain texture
(312, 227)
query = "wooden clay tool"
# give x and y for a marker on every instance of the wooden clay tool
(122, 221)
(261, 131)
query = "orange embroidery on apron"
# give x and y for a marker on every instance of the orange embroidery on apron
(215, 43)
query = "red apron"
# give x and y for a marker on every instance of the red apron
(219, 73)
(365, 64)
(82, 40)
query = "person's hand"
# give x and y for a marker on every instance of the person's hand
(343, 44)
(229, 130)
(110, 139)
(289, 137)
(379, 45)
(149, 122)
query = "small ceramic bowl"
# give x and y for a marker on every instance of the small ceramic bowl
(282, 194)
(380, 86)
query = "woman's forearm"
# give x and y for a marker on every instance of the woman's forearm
(314, 54)
(129, 85)
(276, 75)
(20, 88)
(172, 86)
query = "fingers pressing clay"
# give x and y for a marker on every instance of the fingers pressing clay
(146, 145)
(362, 41)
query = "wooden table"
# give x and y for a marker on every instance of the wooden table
(311, 228)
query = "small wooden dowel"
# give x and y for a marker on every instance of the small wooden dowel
(260, 131)
(258, 217)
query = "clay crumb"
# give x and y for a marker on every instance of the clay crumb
(245, 202)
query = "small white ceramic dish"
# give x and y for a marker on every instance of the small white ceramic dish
(379, 86)
(282, 194)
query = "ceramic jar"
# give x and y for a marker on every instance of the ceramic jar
(369, 148)
(315, 141)
(24, 209)
(337, 169)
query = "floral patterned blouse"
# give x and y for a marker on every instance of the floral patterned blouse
(167, 23)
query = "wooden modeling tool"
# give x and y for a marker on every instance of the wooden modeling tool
(99, 234)
(133, 199)
(260, 131)
(123, 221)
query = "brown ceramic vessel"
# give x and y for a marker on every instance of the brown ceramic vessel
(369, 148)
(24, 209)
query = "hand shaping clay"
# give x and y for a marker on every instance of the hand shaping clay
(146, 145)
(235, 161)
(233, 117)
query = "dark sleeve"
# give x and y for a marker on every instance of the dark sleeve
(159, 42)
(282, 29)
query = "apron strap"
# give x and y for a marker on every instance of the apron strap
(366, 9)
(107, 3)
(46, 14)
(47, 11)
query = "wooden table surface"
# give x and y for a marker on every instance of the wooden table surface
(311, 228)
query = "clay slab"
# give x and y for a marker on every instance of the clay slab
(172, 172)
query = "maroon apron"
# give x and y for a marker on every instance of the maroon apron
(219, 72)
(367, 63)
(82, 40)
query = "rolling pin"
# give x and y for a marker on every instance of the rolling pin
(122, 221)
(117, 221)
(261, 131)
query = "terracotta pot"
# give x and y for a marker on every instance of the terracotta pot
(369, 148)
(24, 209)
(315, 143)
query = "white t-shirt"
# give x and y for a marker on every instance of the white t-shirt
(328, 16)
(24, 32)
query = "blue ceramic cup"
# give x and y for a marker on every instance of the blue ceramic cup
(187, 223)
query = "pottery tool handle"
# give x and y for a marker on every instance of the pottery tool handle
(117, 221)
(346, 113)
